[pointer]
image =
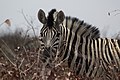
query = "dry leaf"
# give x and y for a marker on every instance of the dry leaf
(8, 22)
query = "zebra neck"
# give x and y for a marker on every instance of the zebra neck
(80, 28)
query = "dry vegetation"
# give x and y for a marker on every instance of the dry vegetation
(19, 60)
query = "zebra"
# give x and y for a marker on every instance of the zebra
(68, 39)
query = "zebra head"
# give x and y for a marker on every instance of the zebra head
(50, 32)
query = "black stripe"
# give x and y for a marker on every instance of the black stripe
(98, 48)
(87, 65)
(90, 49)
(56, 34)
(66, 28)
(118, 41)
(73, 43)
(43, 28)
(55, 45)
(77, 60)
(86, 54)
(66, 52)
(80, 65)
(95, 52)
(92, 69)
(45, 32)
(96, 32)
(94, 55)
(110, 51)
(117, 52)
(106, 46)
(54, 52)
(70, 58)
(84, 24)
(102, 44)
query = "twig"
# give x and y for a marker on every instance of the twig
(26, 53)
(26, 35)
(29, 23)
(114, 11)
(116, 14)
(38, 56)
(1, 24)
(30, 66)
(21, 63)
(11, 52)
(7, 57)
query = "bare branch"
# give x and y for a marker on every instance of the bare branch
(28, 23)
(8, 58)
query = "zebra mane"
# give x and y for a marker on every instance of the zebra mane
(81, 28)
(72, 23)
(50, 17)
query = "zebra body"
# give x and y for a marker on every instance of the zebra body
(76, 42)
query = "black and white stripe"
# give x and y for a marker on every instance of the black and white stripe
(97, 55)
(72, 40)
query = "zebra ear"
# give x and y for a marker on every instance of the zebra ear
(60, 17)
(41, 16)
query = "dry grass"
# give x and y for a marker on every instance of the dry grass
(19, 60)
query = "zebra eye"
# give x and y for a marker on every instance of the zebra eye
(41, 34)
(58, 34)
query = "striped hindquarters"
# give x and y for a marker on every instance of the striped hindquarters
(94, 56)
